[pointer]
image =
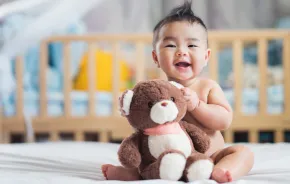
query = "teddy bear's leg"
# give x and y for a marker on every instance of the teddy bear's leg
(198, 167)
(169, 166)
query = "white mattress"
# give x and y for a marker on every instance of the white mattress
(73, 162)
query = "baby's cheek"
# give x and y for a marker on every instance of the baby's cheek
(198, 66)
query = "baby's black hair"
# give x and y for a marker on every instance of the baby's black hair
(180, 13)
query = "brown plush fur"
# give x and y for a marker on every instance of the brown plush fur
(151, 92)
(134, 151)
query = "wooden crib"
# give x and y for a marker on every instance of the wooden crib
(116, 127)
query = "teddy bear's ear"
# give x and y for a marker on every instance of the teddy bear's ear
(179, 86)
(125, 102)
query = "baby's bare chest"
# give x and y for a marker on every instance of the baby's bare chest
(202, 91)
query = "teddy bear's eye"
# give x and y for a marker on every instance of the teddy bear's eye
(172, 99)
(150, 104)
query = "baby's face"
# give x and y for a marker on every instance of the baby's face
(181, 50)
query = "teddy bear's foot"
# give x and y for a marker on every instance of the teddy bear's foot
(169, 166)
(198, 167)
(172, 166)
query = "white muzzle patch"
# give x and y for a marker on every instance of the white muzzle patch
(163, 112)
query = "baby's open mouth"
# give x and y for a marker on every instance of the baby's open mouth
(182, 64)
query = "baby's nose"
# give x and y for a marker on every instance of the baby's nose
(181, 53)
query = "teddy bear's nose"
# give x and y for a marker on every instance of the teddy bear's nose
(164, 104)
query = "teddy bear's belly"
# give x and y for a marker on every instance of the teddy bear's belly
(160, 143)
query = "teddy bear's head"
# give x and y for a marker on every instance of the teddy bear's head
(152, 103)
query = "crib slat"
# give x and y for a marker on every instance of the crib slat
(116, 80)
(19, 86)
(253, 136)
(228, 136)
(140, 64)
(1, 126)
(42, 77)
(1, 133)
(79, 136)
(217, 35)
(237, 68)
(92, 79)
(262, 62)
(6, 137)
(54, 136)
(104, 136)
(66, 80)
(279, 136)
(286, 69)
(213, 63)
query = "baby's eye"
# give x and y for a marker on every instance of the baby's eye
(192, 45)
(170, 45)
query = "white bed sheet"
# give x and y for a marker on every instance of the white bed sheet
(77, 162)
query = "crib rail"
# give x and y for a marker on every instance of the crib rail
(115, 124)
(263, 121)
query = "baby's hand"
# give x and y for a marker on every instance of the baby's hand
(191, 98)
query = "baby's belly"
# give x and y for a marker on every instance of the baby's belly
(216, 138)
(161, 143)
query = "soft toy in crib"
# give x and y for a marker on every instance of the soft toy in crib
(104, 72)
(163, 146)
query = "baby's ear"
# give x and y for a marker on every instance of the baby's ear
(179, 86)
(125, 102)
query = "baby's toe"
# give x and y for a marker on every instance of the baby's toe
(221, 176)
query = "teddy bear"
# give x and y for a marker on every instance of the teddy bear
(163, 146)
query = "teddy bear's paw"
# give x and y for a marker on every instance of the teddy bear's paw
(172, 166)
(199, 170)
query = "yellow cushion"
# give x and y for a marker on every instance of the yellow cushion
(104, 67)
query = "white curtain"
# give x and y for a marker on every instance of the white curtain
(141, 16)
(122, 16)
(55, 16)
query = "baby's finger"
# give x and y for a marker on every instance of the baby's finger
(186, 91)
(187, 98)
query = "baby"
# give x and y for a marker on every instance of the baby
(180, 49)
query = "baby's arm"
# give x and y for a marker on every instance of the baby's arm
(216, 114)
(128, 153)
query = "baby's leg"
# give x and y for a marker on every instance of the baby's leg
(112, 172)
(232, 163)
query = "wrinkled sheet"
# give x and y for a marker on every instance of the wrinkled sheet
(79, 162)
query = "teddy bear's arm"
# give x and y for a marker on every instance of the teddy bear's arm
(199, 138)
(128, 153)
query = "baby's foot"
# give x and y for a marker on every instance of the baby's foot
(105, 169)
(112, 172)
(221, 175)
